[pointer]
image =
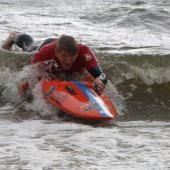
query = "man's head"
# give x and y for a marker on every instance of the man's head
(67, 51)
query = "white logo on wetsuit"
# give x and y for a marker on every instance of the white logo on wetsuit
(88, 57)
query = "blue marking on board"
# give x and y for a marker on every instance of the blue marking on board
(52, 89)
(92, 97)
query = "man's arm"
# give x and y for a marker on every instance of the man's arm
(100, 78)
(94, 69)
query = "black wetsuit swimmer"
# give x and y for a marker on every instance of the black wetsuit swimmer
(27, 43)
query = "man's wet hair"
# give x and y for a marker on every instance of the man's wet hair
(67, 43)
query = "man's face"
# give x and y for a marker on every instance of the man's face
(66, 60)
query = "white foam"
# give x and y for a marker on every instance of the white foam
(7, 109)
(116, 97)
(149, 76)
(37, 144)
(39, 104)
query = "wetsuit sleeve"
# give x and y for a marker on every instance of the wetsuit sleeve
(89, 58)
(95, 71)
(92, 65)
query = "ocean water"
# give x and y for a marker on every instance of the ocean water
(131, 39)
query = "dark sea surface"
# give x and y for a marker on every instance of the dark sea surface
(131, 39)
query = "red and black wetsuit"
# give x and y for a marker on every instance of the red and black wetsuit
(46, 54)
(85, 60)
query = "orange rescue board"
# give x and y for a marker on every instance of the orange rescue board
(78, 99)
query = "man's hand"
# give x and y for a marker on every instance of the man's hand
(99, 85)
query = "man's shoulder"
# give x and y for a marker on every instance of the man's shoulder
(45, 53)
(82, 47)
(48, 49)
(51, 45)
